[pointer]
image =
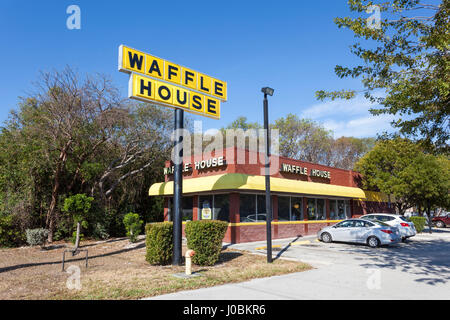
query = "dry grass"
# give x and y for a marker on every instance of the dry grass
(119, 271)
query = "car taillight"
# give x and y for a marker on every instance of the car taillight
(404, 224)
(387, 231)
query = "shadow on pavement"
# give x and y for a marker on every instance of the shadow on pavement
(428, 259)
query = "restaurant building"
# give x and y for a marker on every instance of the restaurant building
(229, 185)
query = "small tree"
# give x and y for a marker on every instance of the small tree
(133, 225)
(78, 207)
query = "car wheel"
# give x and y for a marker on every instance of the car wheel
(440, 224)
(326, 237)
(373, 242)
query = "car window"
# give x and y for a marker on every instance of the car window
(368, 217)
(368, 224)
(381, 223)
(358, 224)
(404, 219)
(384, 218)
(345, 224)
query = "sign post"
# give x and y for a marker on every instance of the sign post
(177, 189)
(167, 84)
(267, 91)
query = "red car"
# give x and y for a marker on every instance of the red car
(442, 221)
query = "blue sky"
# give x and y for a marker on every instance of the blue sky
(291, 46)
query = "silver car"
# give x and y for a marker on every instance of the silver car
(406, 227)
(372, 233)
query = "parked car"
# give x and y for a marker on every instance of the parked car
(372, 233)
(406, 227)
(441, 221)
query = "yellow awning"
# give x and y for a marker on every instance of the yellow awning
(238, 181)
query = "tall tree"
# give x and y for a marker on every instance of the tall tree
(304, 139)
(400, 168)
(407, 57)
(346, 151)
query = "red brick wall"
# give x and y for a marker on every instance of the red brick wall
(338, 176)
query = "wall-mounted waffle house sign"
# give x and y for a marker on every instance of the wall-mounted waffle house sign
(162, 82)
(288, 168)
(199, 165)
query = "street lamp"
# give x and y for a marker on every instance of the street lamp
(267, 91)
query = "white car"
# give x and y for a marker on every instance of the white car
(372, 233)
(406, 227)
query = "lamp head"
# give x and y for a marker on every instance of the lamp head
(267, 90)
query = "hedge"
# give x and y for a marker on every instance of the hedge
(159, 242)
(205, 238)
(419, 223)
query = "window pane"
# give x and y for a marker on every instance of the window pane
(321, 213)
(296, 209)
(186, 204)
(221, 209)
(341, 209)
(311, 209)
(247, 207)
(347, 209)
(283, 208)
(205, 207)
(186, 208)
(261, 208)
(169, 207)
(333, 210)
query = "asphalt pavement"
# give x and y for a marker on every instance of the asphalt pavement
(417, 269)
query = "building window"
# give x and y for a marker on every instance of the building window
(316, 209)
(333, 210)
(341, 209)
(290, 208)
(205, 205)
(221, 205)
(261, 208)
(311, 208)
(296, 208)
(321, 211)
(247, 207)
(284, 206)
(186, 208)
(252, 207)
(348, 213)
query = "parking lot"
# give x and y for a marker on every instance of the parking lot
(416, 269)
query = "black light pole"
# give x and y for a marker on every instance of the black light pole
(268, 91)
(177, 189)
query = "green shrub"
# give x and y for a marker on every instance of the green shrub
(36, 237)
(100, 231)
(419, 223)
(205, 238)
(133, 225)
(10, 233)
(159, 242)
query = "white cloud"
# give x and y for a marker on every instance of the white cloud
(349, 117)
(360, 127)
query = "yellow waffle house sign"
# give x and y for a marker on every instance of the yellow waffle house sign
(164, 83)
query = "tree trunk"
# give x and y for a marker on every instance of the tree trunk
(429, 217)
(77, 240)
(50, 221)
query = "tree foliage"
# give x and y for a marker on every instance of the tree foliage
(400, 168)
(74, 135)
(408, 59)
